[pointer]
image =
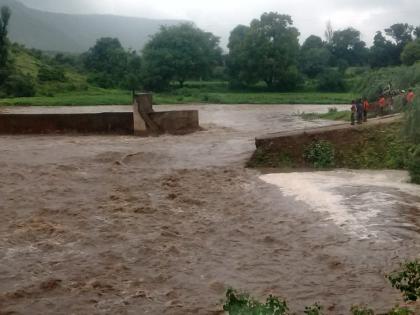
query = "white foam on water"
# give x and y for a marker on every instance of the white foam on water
(323, 192)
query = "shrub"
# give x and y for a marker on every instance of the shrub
(320, 154)
(243, 304)
(315, 309)
(361, 310)
(401, 311)
(20, 85)
(46, 74)
(407, 280)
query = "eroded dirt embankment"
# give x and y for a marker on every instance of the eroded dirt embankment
(374, 137)
(124, 225)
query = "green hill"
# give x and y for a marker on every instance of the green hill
(76, 33)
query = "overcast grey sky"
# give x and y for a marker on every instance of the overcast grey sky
(221, 16)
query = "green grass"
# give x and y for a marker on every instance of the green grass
(96, 96)
(89, 97)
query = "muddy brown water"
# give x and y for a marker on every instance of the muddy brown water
(125, 225)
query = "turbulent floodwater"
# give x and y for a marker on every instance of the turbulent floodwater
(125, 225)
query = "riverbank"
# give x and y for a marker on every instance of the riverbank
(181, 96)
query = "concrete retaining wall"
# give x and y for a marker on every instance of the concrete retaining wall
(114, 123)
(172, 122)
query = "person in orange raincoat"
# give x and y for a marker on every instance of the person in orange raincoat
(365, 109)
(410, 96)
(382, 104)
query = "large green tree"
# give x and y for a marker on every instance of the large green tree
(402, 34)
(314, 56)
(107, 61)
(179, 53)
(242, 69)
(383, 52)
(266, 51)
(347, 48)
(411, 53)
(5, 15)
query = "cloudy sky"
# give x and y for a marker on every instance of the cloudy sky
(221, 16)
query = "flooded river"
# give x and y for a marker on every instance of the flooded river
(126, 225)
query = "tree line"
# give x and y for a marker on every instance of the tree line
(265, 51)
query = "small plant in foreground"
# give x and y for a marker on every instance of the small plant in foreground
(315, 309)
(401, 311)
(243, 304)
(407, 280)
(361, 310)
(320, 154)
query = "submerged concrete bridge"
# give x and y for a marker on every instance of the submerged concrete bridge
(142, 121)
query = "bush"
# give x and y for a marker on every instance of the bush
(331, 80)
(20, 85)
(46, 74)
(361, 310)
(320, 154)
(243, 304)
(407, 280)
(401, 311)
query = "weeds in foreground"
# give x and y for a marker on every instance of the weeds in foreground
(407, 280)
(320, 154)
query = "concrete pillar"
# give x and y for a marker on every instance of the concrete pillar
(142, 107)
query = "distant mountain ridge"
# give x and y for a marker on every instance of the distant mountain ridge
(76, 33)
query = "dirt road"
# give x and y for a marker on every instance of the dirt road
(125, 225)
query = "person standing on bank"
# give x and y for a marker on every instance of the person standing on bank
(410, 96)
(365, 109)
(353, 113)
(359, 108)
(382, 104)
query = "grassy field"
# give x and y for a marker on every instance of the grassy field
(96, 96)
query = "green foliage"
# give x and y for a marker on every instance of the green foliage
(412, 121)
(331, 80)
(242, 304)
(411, 53)
(48, 73)
(320, 154)
(400, 311)
(5, 15)
(266, 51)
(383, 53)
(414, 163)
(20, 85)
(179, 53)
(348, 49)
(407, 280)
(108, 62)
(315, 309)
(361, 310)
(372, 83)
(314, 61)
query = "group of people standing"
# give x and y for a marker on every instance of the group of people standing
(359, 111)
(360, 108)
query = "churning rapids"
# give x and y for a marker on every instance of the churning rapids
(126, 225)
